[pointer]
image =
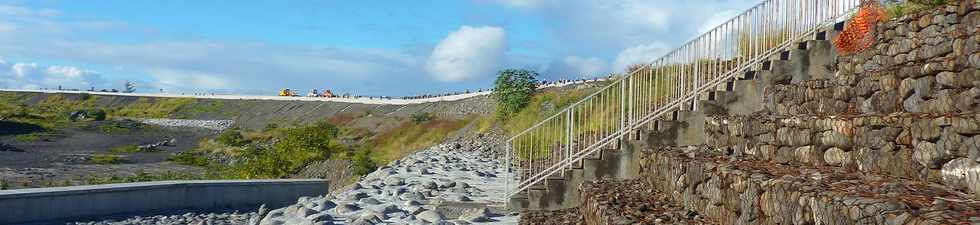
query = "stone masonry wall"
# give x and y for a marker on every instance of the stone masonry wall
(728, 190)
(892, 138)
(941, 149)
(924, 63)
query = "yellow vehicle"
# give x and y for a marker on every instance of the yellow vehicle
(287, 92)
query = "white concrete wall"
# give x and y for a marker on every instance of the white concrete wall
(95, 201)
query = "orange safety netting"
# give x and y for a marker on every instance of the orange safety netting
(858, 35)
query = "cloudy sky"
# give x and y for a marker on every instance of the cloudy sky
(368, 47)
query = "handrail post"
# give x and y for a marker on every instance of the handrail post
(508, 173)
(568, 138)
(622, 103)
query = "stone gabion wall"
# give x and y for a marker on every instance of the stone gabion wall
(924, 63)
(941, 149)
(631, 202)
(730, 191)
(218, 125)
(891, 138)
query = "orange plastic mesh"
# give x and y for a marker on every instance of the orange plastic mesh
(858, 35)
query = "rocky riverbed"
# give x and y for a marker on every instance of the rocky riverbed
(435, 186)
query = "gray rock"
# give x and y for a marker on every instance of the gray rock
(356, 196)
(430, 185)
(431, 216)
(323, 204)
(394, 181)
(412, 196)
(346, 208)
(369, 201)
(479, 215)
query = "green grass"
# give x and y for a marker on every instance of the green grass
(902, 8)
(189, 159)
(409, 136)
(125, 149)
(28, 137)
(537, 110)
(153, 108)
(595, 118)
(199, 108)
(50, 113)
(141, 176)
(106, 159)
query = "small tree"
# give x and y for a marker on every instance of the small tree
(129, 87)
(421, 117)
(362, 162)
(513, 90)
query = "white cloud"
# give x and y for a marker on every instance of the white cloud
(175, 79)
(33, 75)
(619, 24)
(18, 11)
(469, 53)
(639, 54)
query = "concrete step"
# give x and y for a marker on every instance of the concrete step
(561, 191)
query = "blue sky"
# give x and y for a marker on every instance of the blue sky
(360, 47)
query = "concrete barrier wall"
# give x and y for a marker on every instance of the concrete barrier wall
(96, 201)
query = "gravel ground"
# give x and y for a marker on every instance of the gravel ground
(62, 156)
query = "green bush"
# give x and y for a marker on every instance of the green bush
(513, 90)
(4, 185)
(190, 159)
(421, 117)
(291, 151)
(362, 162)
(96, 114)
(232, 137)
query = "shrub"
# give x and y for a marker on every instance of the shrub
(270, 127)
(106, 159)
(96, 114)
(232, 137)
(421, 117)
(4, 185)
(291, 151)
(125, 149)
(189, 159)
(362, 162)
(513, 90)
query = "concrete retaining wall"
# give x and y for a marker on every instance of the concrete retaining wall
(95, 201)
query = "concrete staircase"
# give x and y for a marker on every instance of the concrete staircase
(796, 142)
(684, 127)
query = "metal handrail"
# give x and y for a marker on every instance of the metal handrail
(672, 81)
